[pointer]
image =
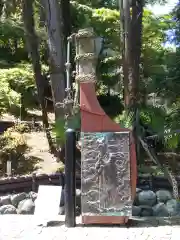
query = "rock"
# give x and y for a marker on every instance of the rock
(146, 211)
(138, 190)
(160, 210)
(17, 198)
(145, 187)
(136, 211)
(78, 192)
(8, 209)
(5, 200)
(26, 206)
(78, 197)
(173, 207)
(163, 196)
(147, 198)
(136, 202)
(78, 210)
(33, 195)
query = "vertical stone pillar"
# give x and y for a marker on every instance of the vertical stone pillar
(85, 56)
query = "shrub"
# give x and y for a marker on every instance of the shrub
(13, 146)
(19, 85)
(8, 97)
(22, 128)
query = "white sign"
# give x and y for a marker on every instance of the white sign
(47, 203)
(9, 168)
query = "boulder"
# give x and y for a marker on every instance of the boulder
(136, 211)
(147, 198)
(17, 198)
(163, 195)
(5, 200)
(160, 210)
(146, 211)
(33, 195)
(173, 207)
(78, 198)
(26, 206)
(8, 209)
(138, 190)
(136, 203)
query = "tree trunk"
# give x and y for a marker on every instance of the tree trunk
(131, 37)
(66, 16)
(32, 43)
(57, 53)
(132, 33)
(127, 56)
(136, 29)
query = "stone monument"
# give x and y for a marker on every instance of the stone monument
(108, 159)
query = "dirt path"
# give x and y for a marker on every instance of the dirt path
(39, 148)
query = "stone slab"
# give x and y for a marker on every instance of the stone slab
(47, 202)
(105, 174)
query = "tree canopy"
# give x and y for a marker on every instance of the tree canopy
(159, 65)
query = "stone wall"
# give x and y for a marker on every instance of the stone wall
(147, 203)
(22, 203)
(159, 204)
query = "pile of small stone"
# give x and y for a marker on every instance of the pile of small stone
(21, 203)
(147, 203)
(160, 204)
(24, 203)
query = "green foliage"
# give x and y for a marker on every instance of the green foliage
(107, 101)
(62, 125)
(8, 97)
(12, 46)
(18, 87)
(159, 66)
(106, 23)
(13, 147)
(22, 128)
(59, 130)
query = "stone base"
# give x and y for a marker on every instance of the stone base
(104, 220)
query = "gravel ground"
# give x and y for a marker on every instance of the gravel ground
(25, 227)
(37, 141)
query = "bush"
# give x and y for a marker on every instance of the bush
(22, 128)
(8, 97)
(13, 146)
(19, 83)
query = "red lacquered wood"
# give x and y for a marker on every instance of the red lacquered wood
(94, 119)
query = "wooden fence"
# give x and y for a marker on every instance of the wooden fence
(31, 182)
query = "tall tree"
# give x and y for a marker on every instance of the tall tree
(33, 49)
(66, 17)
(131, 36)
(54, 23)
